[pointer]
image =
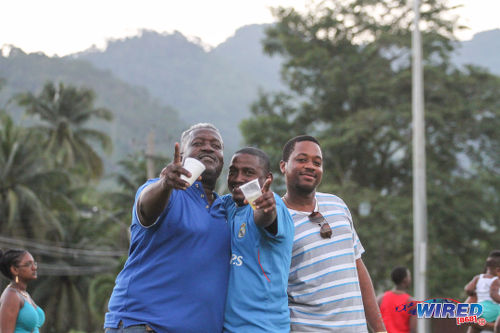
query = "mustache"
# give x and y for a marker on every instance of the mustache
(211, 156)
(235, 187)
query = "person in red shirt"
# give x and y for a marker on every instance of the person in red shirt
(395, 304)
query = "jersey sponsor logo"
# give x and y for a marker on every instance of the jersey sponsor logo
(236, 260)
(242, 231)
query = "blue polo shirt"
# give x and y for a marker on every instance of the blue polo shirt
(175, 278)
(260, 262)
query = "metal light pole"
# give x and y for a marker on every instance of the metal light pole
(419, 179)
(150, 151)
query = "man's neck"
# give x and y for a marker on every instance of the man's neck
(400, 289)
(305, 202)
(208, 188)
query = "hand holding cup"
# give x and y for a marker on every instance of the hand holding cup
(172, 175)
(195, 167)
(262, 199)
(266, 201)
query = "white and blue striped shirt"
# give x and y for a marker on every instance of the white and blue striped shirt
(323, 286)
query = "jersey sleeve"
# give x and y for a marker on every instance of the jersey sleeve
(285, 222)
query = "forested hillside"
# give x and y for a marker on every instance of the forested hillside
(216, 86)
(135, 110)
(162, 76)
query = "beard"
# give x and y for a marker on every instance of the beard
(210, 176)
(305, 189)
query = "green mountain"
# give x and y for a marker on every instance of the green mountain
(135, 111)
(205, 86)
(219, 85)
(145, 78)
(482, 50)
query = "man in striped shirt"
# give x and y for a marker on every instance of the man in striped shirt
(329, 287)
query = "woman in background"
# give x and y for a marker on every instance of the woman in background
(18, 311)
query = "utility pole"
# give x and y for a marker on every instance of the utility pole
(419, 178)
(150, 150)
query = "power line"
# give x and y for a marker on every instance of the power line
(63, 270)
(57, 250)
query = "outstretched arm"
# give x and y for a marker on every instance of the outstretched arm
(372, 311)
(154, 198)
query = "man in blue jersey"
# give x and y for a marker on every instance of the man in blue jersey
(329, 287)
(175, 278)
(261, 245)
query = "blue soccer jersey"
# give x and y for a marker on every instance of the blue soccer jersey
(260, 262)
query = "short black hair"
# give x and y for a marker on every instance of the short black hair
(264, 158)
(493, 259)
(290, 145)
(11, 257)
(398, 274)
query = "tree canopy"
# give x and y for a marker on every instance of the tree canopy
(64, 113)
(348, 71)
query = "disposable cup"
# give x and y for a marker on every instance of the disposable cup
(251, 191)
(195, 167)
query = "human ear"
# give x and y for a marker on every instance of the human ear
(282, 166)
(13, 270)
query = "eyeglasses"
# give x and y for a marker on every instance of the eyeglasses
(29, 264)
(325, 231)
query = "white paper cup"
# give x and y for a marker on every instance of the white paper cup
(251, 191)
(195, 167)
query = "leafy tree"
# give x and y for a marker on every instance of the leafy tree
(119, 202)
(30, 193)
(348, 69)
(100, 290)
(67, 279)
(37, 197)
(116, 214)
(64, 113)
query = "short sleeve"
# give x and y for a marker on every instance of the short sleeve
(285, 222)
(358, 247)
(135, 216)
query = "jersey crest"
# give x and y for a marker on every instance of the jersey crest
(242, 231)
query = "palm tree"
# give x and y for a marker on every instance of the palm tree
(132, 176)
(64, 113)
(100, 290)
(29, 192)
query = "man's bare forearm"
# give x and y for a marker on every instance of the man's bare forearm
(152, 202)
(154, 198)
(263, 219)
(372, 311)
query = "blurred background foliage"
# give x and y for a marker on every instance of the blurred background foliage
(74, 133)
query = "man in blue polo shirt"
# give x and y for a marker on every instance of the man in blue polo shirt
(175, 278)
(261, 246)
